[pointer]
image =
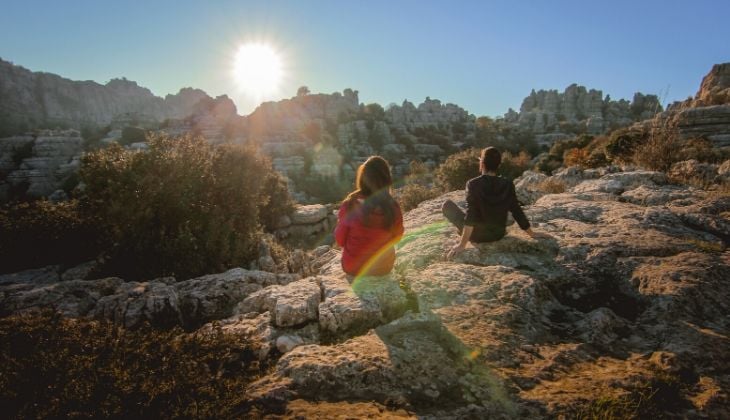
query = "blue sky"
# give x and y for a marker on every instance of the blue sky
(484, 55)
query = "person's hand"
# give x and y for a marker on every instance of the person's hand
(454, 251)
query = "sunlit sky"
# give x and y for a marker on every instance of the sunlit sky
(485, 56)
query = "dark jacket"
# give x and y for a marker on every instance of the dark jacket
(488, 199)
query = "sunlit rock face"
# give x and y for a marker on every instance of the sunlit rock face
(706, 115)
(630, 290)
(551, 115)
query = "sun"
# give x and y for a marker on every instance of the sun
(257, 69)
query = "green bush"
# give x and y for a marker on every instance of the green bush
(513, 166)
(411, 195)
(23, 152)
(132, 135)
(183, 207)
(457, 169)
(325, 189)
(39, 233)
(56, 367)
(277, 202)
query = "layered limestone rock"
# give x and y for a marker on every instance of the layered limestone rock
(429, 113)
(551, 115)
(38, 165)
(307, 222)
(706, 115)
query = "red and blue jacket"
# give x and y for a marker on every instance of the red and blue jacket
(367, 249)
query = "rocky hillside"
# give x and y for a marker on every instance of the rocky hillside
(624, 311)
(30, 100)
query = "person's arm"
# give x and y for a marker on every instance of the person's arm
(517, 212)
(521, 219)
(465, 235)
(342, 228)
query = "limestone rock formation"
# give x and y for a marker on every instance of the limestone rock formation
(38, 165)
(706, 115)
(550, 115)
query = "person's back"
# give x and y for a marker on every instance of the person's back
(489, 198)
(366, 238)
(369, 222)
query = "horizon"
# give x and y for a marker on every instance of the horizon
(324, 46)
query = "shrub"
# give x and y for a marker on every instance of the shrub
(277, 202)
(411, 195)
(551, 186)
(183, 207)
(419, 173)
(55, 367)
(659, 152)
(576, 157)
(622, 143)
(23, 152)
(513, 166)
(457, 170)
(39, 233)
(132, 135)
(325, 189)
(560, 147)
(547, 163)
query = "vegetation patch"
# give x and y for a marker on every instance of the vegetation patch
(57, 368)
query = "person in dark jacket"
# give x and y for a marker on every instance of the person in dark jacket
(488, 199)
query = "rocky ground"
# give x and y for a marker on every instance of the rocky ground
(624, 311)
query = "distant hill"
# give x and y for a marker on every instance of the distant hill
(30, 100)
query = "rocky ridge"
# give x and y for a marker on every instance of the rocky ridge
(45, 100)
(627, 303)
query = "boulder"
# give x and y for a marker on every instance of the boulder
(368, 302)
(292, 304)
(307, 215)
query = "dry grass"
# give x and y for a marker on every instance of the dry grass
(551, 186)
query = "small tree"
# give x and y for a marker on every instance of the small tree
(457, 169)
(302, 91)
(183, 207)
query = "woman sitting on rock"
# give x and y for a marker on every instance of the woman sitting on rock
(370, 222)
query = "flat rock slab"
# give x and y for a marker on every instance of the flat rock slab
(307, 215)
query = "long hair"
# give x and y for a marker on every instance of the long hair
(373, 183)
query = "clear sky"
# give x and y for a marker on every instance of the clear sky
(485, 56)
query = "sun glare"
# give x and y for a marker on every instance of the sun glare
(258, 70)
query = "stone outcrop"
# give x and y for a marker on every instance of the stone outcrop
(307, 222)
(38, 165)
(551, 115)
(706, 115)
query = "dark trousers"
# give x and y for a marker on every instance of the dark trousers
(453, 214)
